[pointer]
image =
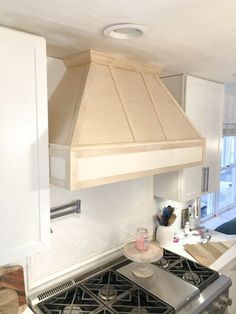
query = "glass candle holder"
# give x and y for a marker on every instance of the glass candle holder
(141, 239)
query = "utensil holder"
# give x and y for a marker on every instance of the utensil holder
(165, 235)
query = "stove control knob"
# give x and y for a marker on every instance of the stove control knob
(225, 300)
(218, 308)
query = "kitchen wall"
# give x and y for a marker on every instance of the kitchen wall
(110, 216)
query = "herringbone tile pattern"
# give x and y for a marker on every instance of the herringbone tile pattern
(110, 216)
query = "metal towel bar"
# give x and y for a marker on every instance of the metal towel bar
(59, 211)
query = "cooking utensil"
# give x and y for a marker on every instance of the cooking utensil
(171, 220)
(166, 214)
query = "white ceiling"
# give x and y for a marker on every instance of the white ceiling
(186, 36)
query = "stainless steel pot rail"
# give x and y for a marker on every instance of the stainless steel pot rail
(59, 211)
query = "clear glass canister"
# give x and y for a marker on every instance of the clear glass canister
(142, 239)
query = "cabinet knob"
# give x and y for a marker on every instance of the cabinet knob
(218, 308)
(225, 300)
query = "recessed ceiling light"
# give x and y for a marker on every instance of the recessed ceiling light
(125, 31)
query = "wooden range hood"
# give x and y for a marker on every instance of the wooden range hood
(111, 120)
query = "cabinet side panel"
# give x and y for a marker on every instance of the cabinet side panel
(167, 185)
(175, 85)
(23, 148)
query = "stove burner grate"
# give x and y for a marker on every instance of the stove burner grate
(138, 310)
(108, 285)
(75, 309)
(178, 266)
(192, 278)
(140, 301)
(107, 293)
(163, 263)
(72, 301)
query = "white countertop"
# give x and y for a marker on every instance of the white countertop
(27, 311)
(215, 237)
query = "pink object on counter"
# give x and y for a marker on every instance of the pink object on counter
(176, 239)
(141, 243)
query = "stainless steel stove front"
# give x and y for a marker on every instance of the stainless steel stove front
(212, 300)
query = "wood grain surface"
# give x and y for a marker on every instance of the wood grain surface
(9, 303)
(13, 278)
(208, 253)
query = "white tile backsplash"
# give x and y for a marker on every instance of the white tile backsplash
(109, 218)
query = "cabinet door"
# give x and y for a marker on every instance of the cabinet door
(195, 107)
(24, 196)
(204, 105)
(195, 102)
(214, 127)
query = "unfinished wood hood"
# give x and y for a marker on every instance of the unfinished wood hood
(111, 120)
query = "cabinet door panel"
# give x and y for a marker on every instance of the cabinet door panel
(191, 181)
(204, 105)
(195, 107)
(24, 224)
(195, 102)
(214, 113)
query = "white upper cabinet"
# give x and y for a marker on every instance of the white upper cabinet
(24, 196)
(203, 102)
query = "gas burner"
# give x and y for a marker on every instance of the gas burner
(107, 293)
(163, 263)
(108, 285)
(72, 301)
(140, 301)
(192, 278)
(137, 310)
(179, 265)
(75, 309)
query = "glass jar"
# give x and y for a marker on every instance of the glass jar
(141, 239)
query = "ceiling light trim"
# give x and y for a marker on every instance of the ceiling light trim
(125, 31)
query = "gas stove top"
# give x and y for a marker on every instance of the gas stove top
(192, 272)
(107, 292)
(178, 285)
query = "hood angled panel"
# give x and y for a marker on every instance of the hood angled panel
(138, 106)
(173, 119)
(101, 118)
(64, 105)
